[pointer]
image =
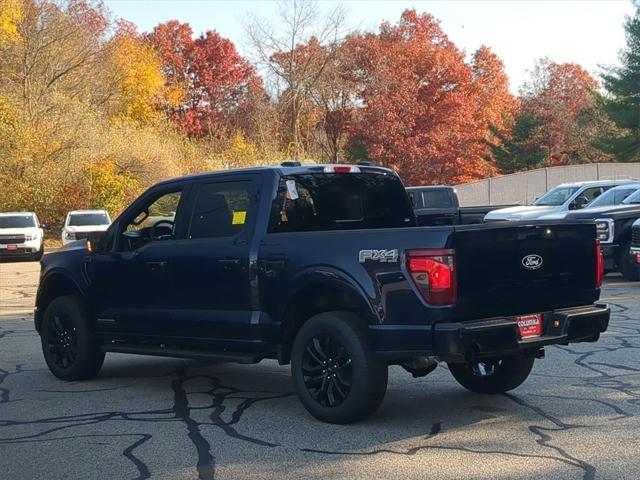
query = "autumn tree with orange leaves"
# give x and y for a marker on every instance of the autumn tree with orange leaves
(206, 77)
(559, 122)
(426, 112)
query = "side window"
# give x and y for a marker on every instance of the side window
(153, 222)
(591, 193)
(220, 209)
(294, 209)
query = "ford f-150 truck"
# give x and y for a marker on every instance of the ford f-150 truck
(322, 267)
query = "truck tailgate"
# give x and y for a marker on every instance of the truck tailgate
(514, 268)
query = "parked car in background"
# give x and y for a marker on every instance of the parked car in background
(615, 195)
(80, 223)
(439, 205)
(21, 235)
(564, 197)
(613, 229)
(323, 267)
(635, 245)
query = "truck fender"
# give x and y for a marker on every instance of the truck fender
(54, 283)
(317, 290)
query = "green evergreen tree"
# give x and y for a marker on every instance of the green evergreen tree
(622, 102)
(517, 152)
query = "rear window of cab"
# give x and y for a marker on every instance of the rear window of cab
(315, 202)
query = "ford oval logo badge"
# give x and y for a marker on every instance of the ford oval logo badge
(532, 261)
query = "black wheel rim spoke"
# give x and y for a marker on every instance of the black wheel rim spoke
(62, 342)
(327, 370)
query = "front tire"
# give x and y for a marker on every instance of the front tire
(68, 343)
(335, 370)
(493, 376)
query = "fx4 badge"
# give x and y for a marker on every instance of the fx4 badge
(378, 255)
(532, 261)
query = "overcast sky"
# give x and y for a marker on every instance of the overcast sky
(586, 32)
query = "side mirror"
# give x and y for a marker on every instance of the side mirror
(578, 203)
(96, 242)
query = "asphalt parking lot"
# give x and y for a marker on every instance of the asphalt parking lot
(576, 417)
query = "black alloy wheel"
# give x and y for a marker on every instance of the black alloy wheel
(62, 340)
(69, 344)
(335, 370)
(327, 370)
(493, 376)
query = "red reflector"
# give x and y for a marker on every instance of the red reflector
(599, 265)
(433, 273)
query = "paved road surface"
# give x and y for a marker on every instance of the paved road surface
(577, 417)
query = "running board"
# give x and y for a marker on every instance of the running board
(182, 353)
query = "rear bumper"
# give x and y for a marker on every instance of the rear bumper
(497, 337)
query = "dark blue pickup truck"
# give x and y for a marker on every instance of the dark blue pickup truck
(322, 267)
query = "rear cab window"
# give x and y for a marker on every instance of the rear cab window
(437, 198)
(326, 201)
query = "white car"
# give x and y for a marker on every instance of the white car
(561, 199)
(80, 223)
(21, 235)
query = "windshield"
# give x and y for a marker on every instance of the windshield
(79, 219)
(557, 196)
(633, 199)
(17, 221)
(615, 196)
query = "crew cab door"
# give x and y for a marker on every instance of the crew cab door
(131, 281)
(212, 274)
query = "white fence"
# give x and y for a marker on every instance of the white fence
(524, 187)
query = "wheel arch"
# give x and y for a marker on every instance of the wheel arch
(321, 292)
(53, 285)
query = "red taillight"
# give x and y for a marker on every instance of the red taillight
(599, 265)
(434, 274)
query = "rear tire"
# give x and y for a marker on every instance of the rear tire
(335, 370)
(628, 267)
(68, 343)
(506, 374)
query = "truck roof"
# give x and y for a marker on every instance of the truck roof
(282, 170)
(595, 183)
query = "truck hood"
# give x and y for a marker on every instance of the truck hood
(20, 231)
(530, 212)
(608, 211)
(86, 228)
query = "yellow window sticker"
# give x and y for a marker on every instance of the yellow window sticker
(239, 217)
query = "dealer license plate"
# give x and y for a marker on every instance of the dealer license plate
(530, 325)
